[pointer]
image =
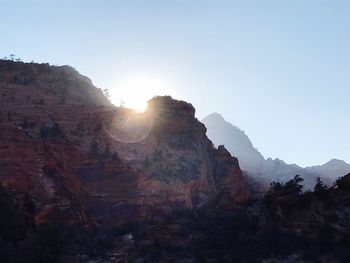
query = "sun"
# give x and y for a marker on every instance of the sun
(134, 91)
(139, 106)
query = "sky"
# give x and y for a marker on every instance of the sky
(278, 69)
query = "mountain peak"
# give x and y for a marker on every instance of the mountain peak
(235, 140)
(214, 116)
(336, 162)
(239, 145)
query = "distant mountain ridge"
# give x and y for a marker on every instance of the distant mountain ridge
(235, 140)
(253, 162)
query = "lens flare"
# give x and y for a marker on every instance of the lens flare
(128, 126)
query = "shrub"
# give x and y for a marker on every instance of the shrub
(343, 183)
(106, 154)
(53, 132)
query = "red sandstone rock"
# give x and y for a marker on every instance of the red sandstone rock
(64, 144)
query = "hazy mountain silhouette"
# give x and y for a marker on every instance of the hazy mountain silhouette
(253, 162)
(235, 140)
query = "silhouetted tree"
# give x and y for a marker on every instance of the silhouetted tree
(294, 185)
(106, 93)
(319, 186)
(275, 187)
(343, 183)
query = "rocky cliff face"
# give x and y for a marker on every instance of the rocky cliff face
(62, 142)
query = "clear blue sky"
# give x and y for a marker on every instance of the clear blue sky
(279, 69)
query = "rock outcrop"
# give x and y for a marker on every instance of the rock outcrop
(62, 142)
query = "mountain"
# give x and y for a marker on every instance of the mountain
(65, 145)
(235, 140)
(255, 165)
(84, 181)
(331, 169)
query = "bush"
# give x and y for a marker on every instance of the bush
(53, 132)
(106, 154)
(343, 183)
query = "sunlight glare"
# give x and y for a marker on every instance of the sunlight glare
(135, 90)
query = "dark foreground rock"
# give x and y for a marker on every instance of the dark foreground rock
(284, 226)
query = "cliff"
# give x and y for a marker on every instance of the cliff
(64, 144)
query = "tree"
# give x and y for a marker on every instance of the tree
(106, 93)
(294, 185)
(343, 183)
(319, 186)
(275, 187)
